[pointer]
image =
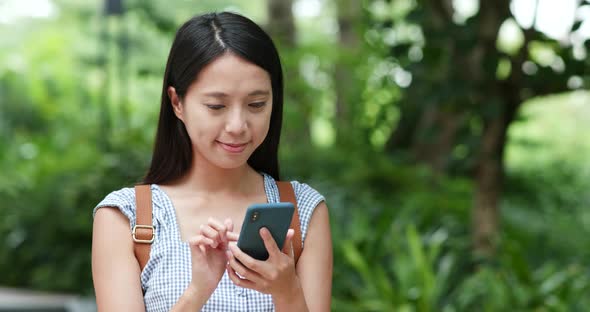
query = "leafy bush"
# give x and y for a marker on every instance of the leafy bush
(402, 239)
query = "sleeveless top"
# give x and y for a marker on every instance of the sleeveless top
(168, 271)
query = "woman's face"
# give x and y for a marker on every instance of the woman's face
(226, 110)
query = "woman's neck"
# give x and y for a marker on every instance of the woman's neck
(208, 178)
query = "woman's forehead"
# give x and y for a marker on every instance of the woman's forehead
(230, 75)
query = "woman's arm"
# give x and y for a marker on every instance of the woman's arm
(314, 267)
(115, 270)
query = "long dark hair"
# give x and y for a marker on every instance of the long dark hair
(198, 42)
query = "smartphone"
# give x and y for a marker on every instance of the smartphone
(275, 217)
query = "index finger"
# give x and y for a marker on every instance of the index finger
(229, 224)
(231, 235)
(220, 227)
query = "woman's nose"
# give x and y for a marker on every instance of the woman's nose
(236, 122)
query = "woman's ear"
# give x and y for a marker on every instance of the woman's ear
(176, 104)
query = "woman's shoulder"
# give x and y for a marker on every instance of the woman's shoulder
(123, 199)
(304, 193)
(123, 194)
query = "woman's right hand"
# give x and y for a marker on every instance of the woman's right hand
(208, 253)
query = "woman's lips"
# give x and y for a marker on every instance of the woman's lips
(233, 147)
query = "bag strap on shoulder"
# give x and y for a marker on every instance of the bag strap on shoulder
(287, 194)
(144, 233)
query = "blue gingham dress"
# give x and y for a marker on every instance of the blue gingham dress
(168, 271)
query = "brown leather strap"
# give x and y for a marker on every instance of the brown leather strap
(143, 233)
(287, 194)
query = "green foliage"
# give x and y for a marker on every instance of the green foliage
(62, 151)
(387, 256)
(402, 240)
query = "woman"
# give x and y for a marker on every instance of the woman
(215, 154)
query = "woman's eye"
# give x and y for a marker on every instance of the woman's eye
(257, 104)
(215, 107)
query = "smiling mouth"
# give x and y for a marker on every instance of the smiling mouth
(233, 147)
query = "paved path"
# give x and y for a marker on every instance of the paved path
(25, 300)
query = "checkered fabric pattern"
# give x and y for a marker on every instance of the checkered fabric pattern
(168, 271)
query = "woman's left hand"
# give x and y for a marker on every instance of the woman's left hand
(276, 275)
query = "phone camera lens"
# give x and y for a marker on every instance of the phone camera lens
(254, 216)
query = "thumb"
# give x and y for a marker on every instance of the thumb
(288, 246)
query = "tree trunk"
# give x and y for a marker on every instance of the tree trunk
(281, 24)
(488, 182)
(281, 27)
(346, 86)
(490, 176)
(496, 118)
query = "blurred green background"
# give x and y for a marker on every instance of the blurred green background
(450, 139)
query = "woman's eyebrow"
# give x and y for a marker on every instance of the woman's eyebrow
(259, 92)
(217, 94)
